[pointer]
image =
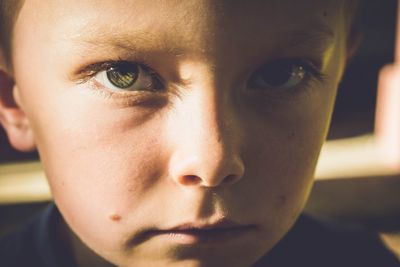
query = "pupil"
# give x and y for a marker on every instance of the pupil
(123, 76)
(278, 74)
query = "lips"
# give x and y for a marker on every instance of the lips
(204, 233)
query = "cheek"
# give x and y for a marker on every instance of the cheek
(283, 152)
(102, 169)
(100, 160)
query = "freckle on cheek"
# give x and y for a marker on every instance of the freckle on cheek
(115, 217)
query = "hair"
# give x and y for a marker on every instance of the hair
(9, 10)
(351, 9)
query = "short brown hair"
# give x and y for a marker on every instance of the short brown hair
(351, 9)
(9, 10)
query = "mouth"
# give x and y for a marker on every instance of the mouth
(198, 233)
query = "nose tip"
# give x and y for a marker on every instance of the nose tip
(197, 172)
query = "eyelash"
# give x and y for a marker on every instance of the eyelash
(312, 72)
(88, 73)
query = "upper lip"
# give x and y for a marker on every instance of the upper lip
(222, 224)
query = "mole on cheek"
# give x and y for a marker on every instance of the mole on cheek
(325, 14)
(115, 217)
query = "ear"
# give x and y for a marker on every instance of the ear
(12, 117)
(354, 40)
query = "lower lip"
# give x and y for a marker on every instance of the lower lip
(191, 237)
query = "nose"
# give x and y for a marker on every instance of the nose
(207, 141)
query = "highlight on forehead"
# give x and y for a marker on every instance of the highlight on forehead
(92, 35)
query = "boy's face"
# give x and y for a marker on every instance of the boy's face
(222, 120)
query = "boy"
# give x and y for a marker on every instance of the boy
(176, 133)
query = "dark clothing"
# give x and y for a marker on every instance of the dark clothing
(35, 243)
(310, 244)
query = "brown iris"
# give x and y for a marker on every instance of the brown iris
(123, 75)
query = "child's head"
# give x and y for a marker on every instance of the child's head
(151, 117)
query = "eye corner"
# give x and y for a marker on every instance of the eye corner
(85, 73)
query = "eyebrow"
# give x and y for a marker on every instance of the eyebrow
(317, 36)
(135, 42)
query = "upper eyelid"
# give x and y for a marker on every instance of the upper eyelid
(157, 83)
(295, 60)
(97, 67)
(312, 74)
(311, 67)
(89, 71)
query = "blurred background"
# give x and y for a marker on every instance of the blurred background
(355, 107)
(354, 115)
(372, 202)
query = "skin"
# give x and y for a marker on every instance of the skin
(206, 147)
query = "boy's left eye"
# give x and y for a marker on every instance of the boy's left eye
(283, 74)
(126, 76)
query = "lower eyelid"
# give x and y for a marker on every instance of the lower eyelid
(305, 90)
(128, 98)
(96, 86)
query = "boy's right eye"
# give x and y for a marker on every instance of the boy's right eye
(127, 76)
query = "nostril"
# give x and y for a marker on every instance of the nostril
(190, 180)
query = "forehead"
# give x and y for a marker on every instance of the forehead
(190, 22)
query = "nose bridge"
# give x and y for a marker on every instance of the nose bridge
(213, 120)
(208, 152)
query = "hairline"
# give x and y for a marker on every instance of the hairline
(10, 10)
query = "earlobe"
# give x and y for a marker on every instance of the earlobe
(12, 117)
